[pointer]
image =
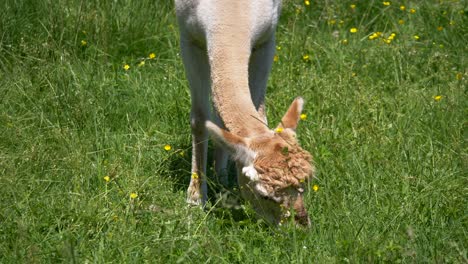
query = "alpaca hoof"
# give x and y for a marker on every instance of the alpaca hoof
(193, 201)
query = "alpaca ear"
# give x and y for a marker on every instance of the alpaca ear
(292, 116)
(232, 142)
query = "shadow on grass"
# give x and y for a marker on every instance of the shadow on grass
(223, 201)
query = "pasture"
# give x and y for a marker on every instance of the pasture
(95, 138)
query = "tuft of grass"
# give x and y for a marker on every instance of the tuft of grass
(85, 174)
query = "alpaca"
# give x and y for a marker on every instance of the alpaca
(227, 49)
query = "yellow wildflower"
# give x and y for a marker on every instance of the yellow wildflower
(167, 147)
(194, 175)
(459, 76)
(440, 28)
(275, 58)
(437, 98)
(141, 63)
(402, 8)
(84, 43)
(416, 37)
(412, 10)
(152, 56)
(386, 3)
(344, 41)
(332, 22)
(126, 67)
(305, 57)
(106, 178)
(279, 129)
(353, 6)
(306, 2)
(133, 195)
(315, 188)
(353, 30)
(278, 47)
(401, 21)
(303, 116)
(373, 36)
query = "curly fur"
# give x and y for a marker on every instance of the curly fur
(291, 167)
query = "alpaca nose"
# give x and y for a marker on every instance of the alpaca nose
(302, 219)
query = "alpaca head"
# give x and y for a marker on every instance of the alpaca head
(272, 168)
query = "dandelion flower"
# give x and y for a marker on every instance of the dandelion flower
(386, 3)
(437, 98)
(194, 175)
(401, 21)
(402, 8)
(141, 63)
(303, 116)
(106, 178)
(353, 30)
(306, 2)
(353, 6)
(440, 28)
(373, 36)
(315, 187)
(84, 43)
(412, 10)
(275, 58)
(305, 57)
(133, 195)
(416, 37)
(167, 147)
(459, 76)
(126, 67)
(279, 130)
(152, 56)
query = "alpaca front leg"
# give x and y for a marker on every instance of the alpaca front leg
(198, 74)
(221, 156)
(197, 190)
(259, 69)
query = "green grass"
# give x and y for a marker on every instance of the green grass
(391, 159)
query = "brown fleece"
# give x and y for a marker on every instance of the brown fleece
(283, 164)
(229, 49)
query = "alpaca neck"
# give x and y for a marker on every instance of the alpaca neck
(229, 48)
